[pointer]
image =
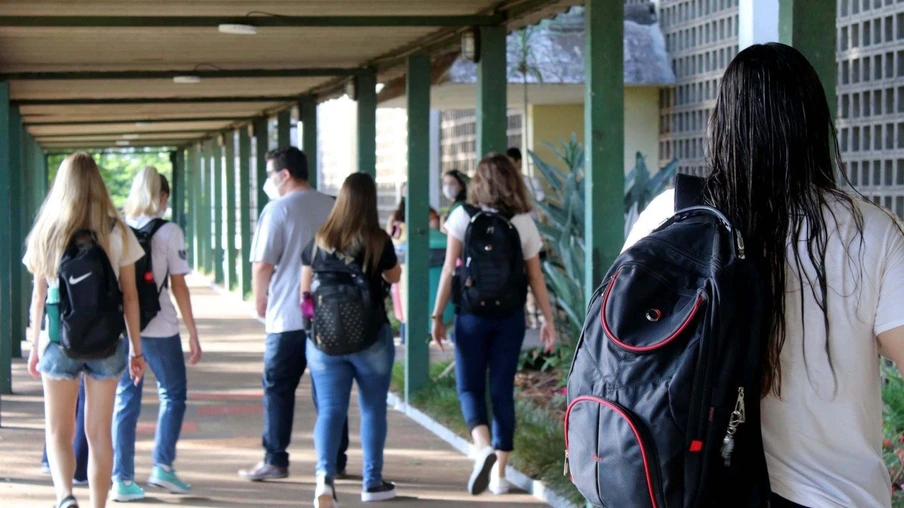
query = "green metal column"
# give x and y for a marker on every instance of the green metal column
(245, 208)
(191, 189)
(176, 187)
(6, 255)
(604, 173)
(260, 162)
(219, 274)
(206, 238)
(307, 110)
(366, 89)
(492, 83)
(809, 26)
(17, 202)
(231, 271)
(417, 212)
(284, 128)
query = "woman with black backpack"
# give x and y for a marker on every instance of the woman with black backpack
(164, 270)
(833, 267)
(344, 277)
(492, 256)
(82, 257)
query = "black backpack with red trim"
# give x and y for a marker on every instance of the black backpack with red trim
(664, 389)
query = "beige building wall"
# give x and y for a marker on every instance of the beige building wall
(551, 123)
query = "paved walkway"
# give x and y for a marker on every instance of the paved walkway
(221, 434)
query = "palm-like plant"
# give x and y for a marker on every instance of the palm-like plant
(563, 228)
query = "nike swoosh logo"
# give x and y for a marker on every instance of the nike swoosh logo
(73, 280)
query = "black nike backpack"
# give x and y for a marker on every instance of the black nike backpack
(148, 292)
(90, 306)
(346, 317)
(664, 389)
(491, 280)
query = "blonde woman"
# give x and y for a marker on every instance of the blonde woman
(487, 341)
(160, 342)
(77, 218)
(352, 236)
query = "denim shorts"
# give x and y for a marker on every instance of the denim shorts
(55, 364)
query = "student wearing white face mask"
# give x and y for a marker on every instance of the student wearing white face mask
(455, 189)
(286, 225)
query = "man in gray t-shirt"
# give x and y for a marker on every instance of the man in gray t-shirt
(285, 226)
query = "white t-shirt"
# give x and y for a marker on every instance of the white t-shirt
(168, 255)
(825, 451)
(457, 225)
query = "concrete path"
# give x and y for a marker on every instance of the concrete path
(221, 434)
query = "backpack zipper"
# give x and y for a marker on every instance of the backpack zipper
(738, 416)
(741, 251)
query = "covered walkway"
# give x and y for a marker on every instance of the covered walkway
(221, 434)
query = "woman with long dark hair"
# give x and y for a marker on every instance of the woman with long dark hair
(352, 235)
(835, 265)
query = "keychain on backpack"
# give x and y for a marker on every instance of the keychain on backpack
(738, 416)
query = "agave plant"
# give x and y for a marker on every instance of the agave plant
(563, 228)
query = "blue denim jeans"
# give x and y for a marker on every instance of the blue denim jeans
(492, 344)
(164, 357)
(55, 364)
(80, 442)
(284, 364)
(333, 377)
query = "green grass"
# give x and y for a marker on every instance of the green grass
(539, 436)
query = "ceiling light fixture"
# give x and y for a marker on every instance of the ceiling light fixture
(187, 80)
(123, 142)
(237, 29)
(130, 136)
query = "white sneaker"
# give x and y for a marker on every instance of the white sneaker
(499, 485)
(483, 465)
(325, 494)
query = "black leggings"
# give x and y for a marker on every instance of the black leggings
(780, 502)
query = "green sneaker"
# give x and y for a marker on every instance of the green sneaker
(168, 480)
(126, 491)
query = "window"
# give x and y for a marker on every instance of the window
(889, 136)
(877, 102)
(855, 36)
(855, 142)
(845, 72)
(889, 100)
(854, 173)
(856, 100)
(867, 71)
(901, 99)
(889, 29)
(845, 105)
(877, 137)
(900, 173)
(901, 135)
(867, 104)
(855, 71)
(877, 67)
(889, 65)
(889, 170)
(867, 33)
(867, 139)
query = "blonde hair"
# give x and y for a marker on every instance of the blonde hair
(78, 200)
(497, 184)
(144, 197)
(354, 225)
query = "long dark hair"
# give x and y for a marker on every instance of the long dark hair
(354, 226)
(773, 154)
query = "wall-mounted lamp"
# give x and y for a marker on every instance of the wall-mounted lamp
(187, 80)
(470, 45)
(351, 89)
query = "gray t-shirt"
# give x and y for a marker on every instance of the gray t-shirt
(284, 228)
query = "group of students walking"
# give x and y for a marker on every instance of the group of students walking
(832, 268)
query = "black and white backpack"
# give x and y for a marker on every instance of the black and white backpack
(90, 304)
(491, 280)
(148, 292)
(664, 389)
(346, 317)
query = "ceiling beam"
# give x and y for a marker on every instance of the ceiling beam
(154, 100)
(112, 143)
(38, 120)
(119, 133)
(258, 21)
(170, 74)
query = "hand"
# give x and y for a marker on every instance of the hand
(195, 347)
(136, 368)
(439, 333)
(261, 305)
(548, 336)
(33, 358)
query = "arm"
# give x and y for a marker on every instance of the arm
(130, 307)
(38, 297)
(891, 346)
(307, 278)
(390, 225)
(537, 282)
(453, 252)
(261, 273)
(393, 275)
(183, 299)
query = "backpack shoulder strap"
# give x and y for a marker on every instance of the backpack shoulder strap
(151, 228)
(470, 209)
(688, 191)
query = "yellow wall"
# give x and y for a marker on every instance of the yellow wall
(551, 122)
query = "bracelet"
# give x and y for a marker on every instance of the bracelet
(135, 357)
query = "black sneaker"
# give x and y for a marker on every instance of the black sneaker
(69, 502)
(384, 492)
